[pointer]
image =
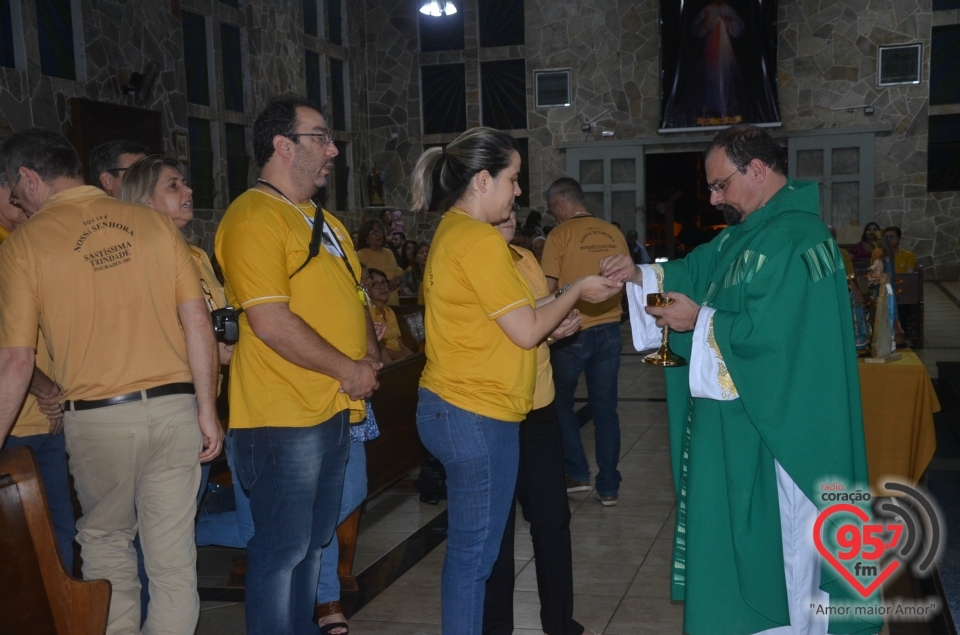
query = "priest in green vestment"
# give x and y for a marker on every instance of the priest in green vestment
(768, 409)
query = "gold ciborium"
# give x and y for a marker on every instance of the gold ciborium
(664, 356)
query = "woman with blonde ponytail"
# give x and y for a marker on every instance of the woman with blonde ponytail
(482, 325)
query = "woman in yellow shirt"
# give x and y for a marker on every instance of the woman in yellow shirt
(159, 183)
(482, 324)
(372, 254)
(541, 490)
(392, 348)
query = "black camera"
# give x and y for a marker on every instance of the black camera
(226, 324)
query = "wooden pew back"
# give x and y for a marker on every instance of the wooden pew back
(412, 331)
(398, 448)
(37, 595)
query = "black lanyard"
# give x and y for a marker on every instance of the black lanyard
(318, 235)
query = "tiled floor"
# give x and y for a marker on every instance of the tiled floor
(621, 554)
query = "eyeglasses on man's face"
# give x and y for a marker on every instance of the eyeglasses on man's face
(323, 138)
(379, 284)
(719, 187)
(115, 172)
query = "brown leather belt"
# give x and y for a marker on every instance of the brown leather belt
(183, 388)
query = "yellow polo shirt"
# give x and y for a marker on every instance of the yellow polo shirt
(31, 421)
(262, 240)
(904, 260)
(103, 279)
(471, 281)
(391, 338)
(573, 250)
(532, 274)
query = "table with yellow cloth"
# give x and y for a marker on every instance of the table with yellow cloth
(898, 405)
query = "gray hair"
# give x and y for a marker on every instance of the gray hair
(47, 153)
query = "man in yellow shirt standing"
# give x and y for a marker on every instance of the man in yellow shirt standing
(33, 427)
(306, 358)
(574, 250)
(115, 292)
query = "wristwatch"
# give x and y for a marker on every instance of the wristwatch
(559, 292)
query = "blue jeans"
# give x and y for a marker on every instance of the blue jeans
(595, 352)
(294, 477)
(229, 529)
(354, 491)
(234, 529)
(480, 456)
(50, 451)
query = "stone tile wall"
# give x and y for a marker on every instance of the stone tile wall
(827, 62)
(126, 34)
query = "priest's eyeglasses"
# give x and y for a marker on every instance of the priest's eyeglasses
(719, 187)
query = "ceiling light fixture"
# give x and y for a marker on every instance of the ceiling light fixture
(438, 8)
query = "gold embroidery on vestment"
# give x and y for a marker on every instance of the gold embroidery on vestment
(658, 271)
(724, 381)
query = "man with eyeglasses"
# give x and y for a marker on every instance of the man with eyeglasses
(306, 359)
(768, 409)
(110, 160)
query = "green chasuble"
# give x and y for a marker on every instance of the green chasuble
(784, 329)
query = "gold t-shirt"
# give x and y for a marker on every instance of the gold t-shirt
(532, 274)
(391, 339)
(31, 421)
(385, 262)
(471, 281)
(904, 260)
(103, 278)
(573, 250)
(262, 240)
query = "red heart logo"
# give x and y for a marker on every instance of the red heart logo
(877, 544)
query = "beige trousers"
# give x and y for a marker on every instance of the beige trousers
(135, 466)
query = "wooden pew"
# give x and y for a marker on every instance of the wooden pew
(412, 331)
(390, 456)
(37, 595)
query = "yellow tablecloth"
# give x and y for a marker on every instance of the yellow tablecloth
(898, 405)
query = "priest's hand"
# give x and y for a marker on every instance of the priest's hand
(620, 268)
(680, 316)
